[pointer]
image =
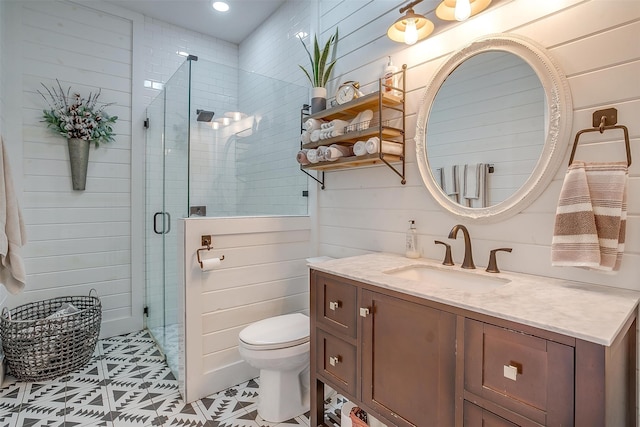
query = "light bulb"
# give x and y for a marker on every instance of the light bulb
(462, 10)
(220, 6)
(410, 32)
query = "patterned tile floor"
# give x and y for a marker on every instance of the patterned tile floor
(128, 383)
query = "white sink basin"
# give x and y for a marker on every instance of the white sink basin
(449, 278)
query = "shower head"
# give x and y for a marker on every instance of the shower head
(204, 116)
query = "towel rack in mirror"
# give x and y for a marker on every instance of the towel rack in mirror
(604, 120)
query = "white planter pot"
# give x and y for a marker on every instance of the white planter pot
(318, 99)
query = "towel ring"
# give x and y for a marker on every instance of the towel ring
(601, 129)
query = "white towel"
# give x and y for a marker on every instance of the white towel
(315, 136)
(305, 137)
(322, 153)
(474, 185)
(437, 175)
(338, 127)
(450, 181)
(312, 156)
(312, 124)
(472, 180)
(12, 232)
(387, 146)
(362, 121)
(360, 148)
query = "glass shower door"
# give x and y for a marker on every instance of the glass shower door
(167, 201)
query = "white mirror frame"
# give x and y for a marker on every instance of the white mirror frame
(559, 112)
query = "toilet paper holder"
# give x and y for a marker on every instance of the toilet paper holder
(205, 240)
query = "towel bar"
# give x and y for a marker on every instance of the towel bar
(612, 115)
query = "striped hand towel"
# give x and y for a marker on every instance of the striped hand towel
(591, 217)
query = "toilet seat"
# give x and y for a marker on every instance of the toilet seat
(277, 332)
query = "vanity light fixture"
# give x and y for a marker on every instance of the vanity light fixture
(459, 10)
(220, 6)
(411, 27)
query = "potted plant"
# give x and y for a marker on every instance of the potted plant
(320, 70)
(80, 120)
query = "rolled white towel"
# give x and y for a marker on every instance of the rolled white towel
(305, 137)
(338, 126)
(301, 157)
(362, 121)
(388, 147)
(312, 124)
(325, 125)
(359, 148)
(322, 153)
(315, 136)
(312, 156)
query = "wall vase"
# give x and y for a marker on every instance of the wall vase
(318, 99)
(79, 160)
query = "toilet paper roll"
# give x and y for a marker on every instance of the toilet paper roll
(210, 264)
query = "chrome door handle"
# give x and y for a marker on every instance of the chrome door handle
(334, 360)
(333, 305)
(364, 312)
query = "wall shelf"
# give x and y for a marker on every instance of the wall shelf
(388, 124)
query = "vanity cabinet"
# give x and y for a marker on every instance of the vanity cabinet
(394, 355)
(410, 361)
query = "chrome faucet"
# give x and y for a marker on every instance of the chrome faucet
(468, 256)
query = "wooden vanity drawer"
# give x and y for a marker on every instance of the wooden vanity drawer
(336, 305)
(475, 416)
(529, 375)
(336, 360)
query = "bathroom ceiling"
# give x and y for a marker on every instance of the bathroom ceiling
(198, 15)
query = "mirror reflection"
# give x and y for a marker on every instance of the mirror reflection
(486, 129)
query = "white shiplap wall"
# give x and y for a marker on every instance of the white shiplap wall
(263, 274)
(597, 45)
(77, 240)
(367, 209)
(103, 249)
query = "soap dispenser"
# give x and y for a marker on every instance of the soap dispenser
(411, 250)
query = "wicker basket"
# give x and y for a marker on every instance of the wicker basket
(37, 348)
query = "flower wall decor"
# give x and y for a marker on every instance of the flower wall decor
(74, 116)
(82, 121)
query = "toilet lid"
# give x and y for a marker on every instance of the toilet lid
(277, 332)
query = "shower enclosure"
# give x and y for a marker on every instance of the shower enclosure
(240, 163)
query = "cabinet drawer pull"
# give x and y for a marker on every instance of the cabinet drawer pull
(334, 360)
(364, 311)
(510, 372)
(333, 305)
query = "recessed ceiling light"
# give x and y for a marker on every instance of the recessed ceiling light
(220, 6)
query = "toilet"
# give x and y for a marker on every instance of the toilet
(279, 348)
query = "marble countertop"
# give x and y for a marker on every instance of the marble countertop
(580, 310)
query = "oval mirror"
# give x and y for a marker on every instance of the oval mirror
(493, 128)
